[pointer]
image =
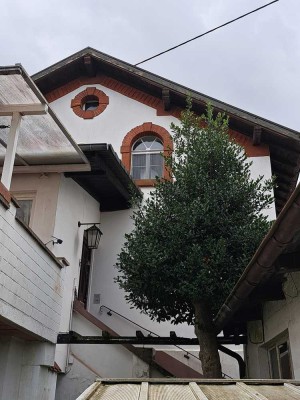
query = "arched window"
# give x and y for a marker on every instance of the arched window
(147, 160)
(142, 150)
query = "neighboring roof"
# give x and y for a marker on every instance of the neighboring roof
(283, 142)
(43, 140)
(282, 240)
(179, 389)
(108, 181)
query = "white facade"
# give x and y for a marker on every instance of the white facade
(58, 204)
(121, 116)
(31, 280)
(280, 322)
(31, 287)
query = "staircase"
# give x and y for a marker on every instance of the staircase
(160, 362)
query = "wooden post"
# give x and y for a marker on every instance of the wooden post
(11, 150)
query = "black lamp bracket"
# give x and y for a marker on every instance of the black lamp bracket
(87, 223)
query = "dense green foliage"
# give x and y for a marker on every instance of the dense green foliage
(193, 237)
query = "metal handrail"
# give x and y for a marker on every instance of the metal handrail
(187, 353)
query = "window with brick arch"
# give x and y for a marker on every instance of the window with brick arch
(143, 148)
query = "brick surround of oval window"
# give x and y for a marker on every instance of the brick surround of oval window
(81, 98)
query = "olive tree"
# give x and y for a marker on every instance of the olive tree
(194, 234)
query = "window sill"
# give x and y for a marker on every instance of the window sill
(145, 182)
(149, 182)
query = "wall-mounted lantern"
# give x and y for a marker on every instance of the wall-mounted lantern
(93, 235)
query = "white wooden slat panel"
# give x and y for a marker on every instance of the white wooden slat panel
(253, 393)
(293, 388)
(197, 392)
(144, 391)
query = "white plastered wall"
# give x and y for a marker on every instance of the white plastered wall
(90, 361)
(121, 115)
(58, 204)
(279, 317)
(43, 189)
(74, 204)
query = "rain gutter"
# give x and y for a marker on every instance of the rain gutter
(280, 235)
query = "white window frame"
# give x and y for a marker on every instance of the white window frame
(148, 154)
(275, 345)
(27, 196)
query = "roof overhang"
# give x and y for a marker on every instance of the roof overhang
(277, 254)
(284, 143)
(108, 181)
(42, 140)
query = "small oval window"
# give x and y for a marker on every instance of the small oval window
(90, 103)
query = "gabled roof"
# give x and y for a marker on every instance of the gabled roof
(284, 143)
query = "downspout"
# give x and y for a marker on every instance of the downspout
(233, 354)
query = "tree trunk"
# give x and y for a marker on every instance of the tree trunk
(207, 337)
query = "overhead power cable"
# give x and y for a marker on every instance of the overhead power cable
(206, 33)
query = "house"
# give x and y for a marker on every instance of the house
(101, 99)
(265, 302)
(107, 110)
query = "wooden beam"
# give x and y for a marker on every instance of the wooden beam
(166, 99)
(281, 167)
(197, 392)
(19, 158)
(281, 194)
(144, 391)
(288, 156)
(10, 153)
(23, 109)
(89, 66)
(289, 262)
(256, 136)
(44, 169)
(250, 391)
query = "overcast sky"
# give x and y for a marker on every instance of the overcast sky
(253, 64)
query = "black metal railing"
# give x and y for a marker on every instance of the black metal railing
(187, 353)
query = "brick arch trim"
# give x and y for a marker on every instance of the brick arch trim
(147, 128)
(88, 94)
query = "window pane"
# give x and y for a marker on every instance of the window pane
(90, 105)
(285, 367)
(139, 160)
(274, 363)
(157, 145)
(156, 172)
(156, 159)
(23, 213)
(284, 360)
(139, 146)
(156, 166)
(148, 140)
(139, 173)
